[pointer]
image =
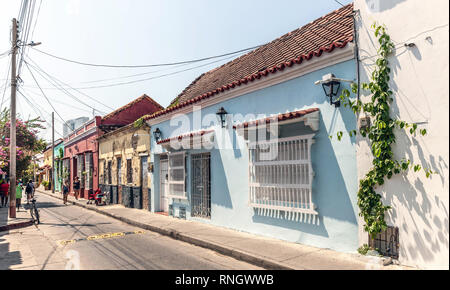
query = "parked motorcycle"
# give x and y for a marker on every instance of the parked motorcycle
(98, 197)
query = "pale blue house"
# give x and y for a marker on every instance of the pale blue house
(246, 146)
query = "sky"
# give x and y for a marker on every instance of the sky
(137, 32)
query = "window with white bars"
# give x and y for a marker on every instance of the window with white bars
(177, 175)
(281, 175)
(89, 164)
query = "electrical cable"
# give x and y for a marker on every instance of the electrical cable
(339, 3)
(45, 95)
(134, 75)
(151, 78)
(148, 65)
(38, 112)
(59, 87)
(56, 101)
(6, 84)
(3, 54)
(35, 22)
(59, 82)
(25, 33)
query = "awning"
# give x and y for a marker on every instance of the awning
(192, 140)
(309, 116)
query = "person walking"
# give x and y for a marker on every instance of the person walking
(4, 189)
(1, 192)
(76, 187)
(65, 191)
(19, 189)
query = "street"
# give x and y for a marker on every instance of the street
(70, 237)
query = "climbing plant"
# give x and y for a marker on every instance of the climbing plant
(381, 136)
(139, 123)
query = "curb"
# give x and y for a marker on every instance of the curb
(16, 226)
(239, 255)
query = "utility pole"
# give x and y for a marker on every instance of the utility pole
(12, 135)
(53, 153)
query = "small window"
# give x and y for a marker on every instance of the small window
(119, 171)
(89, 170)
(386, 242)
(129, 171)
(104, 179)
(177, 175)
(109, 172)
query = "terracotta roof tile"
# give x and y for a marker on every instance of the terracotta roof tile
(110, 115)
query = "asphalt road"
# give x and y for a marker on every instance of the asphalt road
(70, 237)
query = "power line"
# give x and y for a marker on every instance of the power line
(339, 3)
(130, 76)
(152, 78)
(48, 114)
(6, 84)
(35, 22)
(4, 54)
(35, 107)
(57, 101)
(147, 65)
(25, 25)
(38, 68)
(54, 82)
(38, 112)
(45, 95)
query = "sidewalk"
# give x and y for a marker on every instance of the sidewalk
(23, 219)
(261, 251)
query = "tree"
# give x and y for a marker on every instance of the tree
(27, 142)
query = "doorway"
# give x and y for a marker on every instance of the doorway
(74, 171)
(201, 186)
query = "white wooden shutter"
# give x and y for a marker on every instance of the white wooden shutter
(177, 175)
(284, 182)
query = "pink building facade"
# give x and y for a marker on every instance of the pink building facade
(81, 146)
(81, 156)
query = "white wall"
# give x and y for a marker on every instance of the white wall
(420, 82)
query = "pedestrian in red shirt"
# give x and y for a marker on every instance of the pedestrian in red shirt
(4, 190)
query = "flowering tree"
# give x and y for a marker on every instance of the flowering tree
(27, 142)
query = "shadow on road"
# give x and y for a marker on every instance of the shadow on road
(73, 225)
(43, 205)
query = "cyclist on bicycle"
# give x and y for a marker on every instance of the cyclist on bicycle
(29, 190)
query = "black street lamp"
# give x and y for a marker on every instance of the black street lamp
(331, 86)
(221, 114)
(157, 134)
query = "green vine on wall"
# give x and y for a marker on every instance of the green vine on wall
(139, 123)
(381, 135)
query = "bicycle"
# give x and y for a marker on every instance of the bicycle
(34, 212)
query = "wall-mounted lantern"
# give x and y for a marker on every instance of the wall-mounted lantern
(221, 114)
(331, 86)
(157, 134)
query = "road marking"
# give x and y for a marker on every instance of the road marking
(99, 237)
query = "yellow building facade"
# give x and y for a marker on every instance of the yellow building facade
(47, 165)
(123, 165)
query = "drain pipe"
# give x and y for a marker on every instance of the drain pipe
(355, 36)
